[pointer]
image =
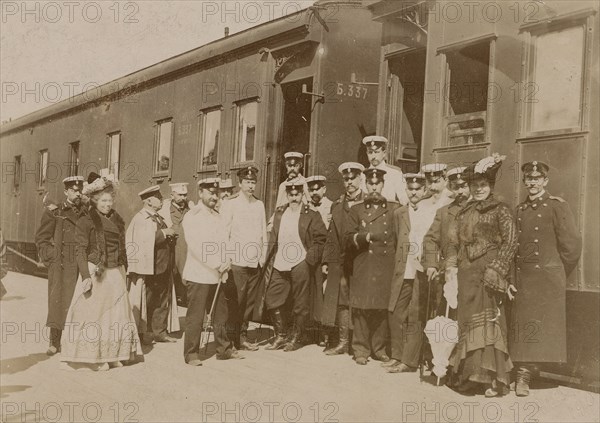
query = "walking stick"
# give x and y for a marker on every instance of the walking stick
(206, 333)
(427, 312)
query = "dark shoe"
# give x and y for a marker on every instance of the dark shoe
(361, 360)
(391, 363)
(230, 355)
(496, 390)
(248, 346)
(325, 341)
(292, 346)
(382, 357)
(279, 328)
(195, 362)
(164, 338)
(52, 350)
(401, 368)
(146, 339)
(523, 381)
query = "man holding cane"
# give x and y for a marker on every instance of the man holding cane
(204, 269)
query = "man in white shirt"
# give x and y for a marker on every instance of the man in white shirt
(394, 188)
(205, 266)
(246, 231)
(296, 246)
(405, 312)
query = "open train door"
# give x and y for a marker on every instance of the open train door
(295, 131)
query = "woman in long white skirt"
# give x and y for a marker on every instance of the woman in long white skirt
(100, 330)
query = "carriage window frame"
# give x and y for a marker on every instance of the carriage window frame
(42, 171)
(583, 19)
(238, 105)
(444, 112)
(202, 123)
(156, 172)
(113, 166)
(74, 158)
(18, 169)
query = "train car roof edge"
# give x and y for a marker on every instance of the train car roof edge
(173, 64)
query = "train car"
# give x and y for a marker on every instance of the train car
(461, 80)
(290, 84)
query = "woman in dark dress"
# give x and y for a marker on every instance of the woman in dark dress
(483, 241)
(100, 324)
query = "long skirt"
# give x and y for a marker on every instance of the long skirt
(481, 354)
(100, 327)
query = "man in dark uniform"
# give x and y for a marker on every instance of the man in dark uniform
(371, 242)
(336, 264)
(436, 240)
(295, 250)
(55, 240)
(548, 250)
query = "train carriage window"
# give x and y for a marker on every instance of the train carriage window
(553, 93)
(164, 141)
(466, 94)
(113, 154)
(247, 116)
(73, 165)
(210, 121)
(17, 174)
(42, 168)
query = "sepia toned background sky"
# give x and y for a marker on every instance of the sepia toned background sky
(53, 49)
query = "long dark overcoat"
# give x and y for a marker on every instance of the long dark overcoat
(55, 241)
(373, 262)
(549, 248)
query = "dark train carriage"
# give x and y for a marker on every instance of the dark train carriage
(461, 80)
(247, 98)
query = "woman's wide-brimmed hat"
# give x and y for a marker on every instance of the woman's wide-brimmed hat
(486, 168)
(96, 183)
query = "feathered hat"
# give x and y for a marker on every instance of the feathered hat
(486, 168)
(96, 183)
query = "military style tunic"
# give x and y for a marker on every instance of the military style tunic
(56, 242)
(373, 261)
(549, 246)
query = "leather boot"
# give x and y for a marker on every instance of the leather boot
(296, 341)
(280, 329)
(523, 380)
(344, 330)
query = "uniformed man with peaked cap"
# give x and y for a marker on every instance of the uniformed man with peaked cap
(295, 250)
(55, 241)
(394, 188)
(436, 180)
(206, 265)
(549, 247)
(246, 230)
(371, 242)
(293, 165)
(408, 298)
(337, 265)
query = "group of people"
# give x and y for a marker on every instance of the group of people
(362, 274)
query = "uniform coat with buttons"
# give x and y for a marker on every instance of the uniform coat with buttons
(549, 248)
(55, 241)
(373, 262)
